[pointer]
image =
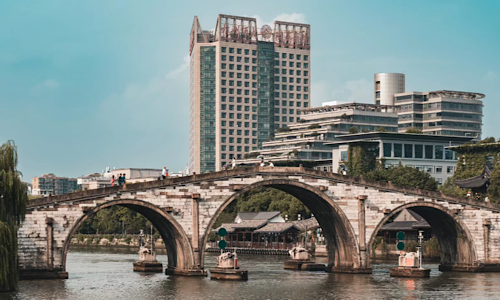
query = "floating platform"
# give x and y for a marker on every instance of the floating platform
(303, 265)
(150, 267)
(410, 272)
(228, 274)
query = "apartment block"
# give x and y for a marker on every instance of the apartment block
(245, 82)
(50, 184)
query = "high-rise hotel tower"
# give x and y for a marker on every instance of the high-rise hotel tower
(246, 82)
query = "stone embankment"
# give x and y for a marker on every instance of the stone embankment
(119, 240)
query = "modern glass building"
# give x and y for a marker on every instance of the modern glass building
(245, 82)
(305, 140)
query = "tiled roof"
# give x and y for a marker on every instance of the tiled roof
(311, 223)
(248, 224)
(406, 225)
(258, 215)
(277, 228)
(476, 181)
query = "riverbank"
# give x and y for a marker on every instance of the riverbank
(114, 240)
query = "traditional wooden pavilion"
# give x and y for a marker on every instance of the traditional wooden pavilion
(477, 184)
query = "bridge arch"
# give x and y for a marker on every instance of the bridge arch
(342, 245)
(456, 243)
(179, 251)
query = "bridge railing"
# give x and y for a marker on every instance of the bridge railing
(246, 171)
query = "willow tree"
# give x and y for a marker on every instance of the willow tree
(13, 200)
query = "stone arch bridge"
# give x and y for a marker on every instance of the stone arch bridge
(350, 212)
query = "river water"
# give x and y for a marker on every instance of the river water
(106, 273)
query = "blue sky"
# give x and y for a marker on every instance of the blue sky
(90, 84)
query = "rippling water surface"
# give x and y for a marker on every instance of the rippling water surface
(104, 273)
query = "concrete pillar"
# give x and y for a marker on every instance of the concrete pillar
(50, 243)
(486, 238)
(195, 239)
(362, 231)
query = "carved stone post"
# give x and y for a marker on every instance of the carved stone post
(195, 239)
(362, 231)
(486, 237)
(50, 243)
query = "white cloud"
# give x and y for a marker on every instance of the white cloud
(179, 70)
(293, 17)
(50, 84)
(161, 98)
(492, 75)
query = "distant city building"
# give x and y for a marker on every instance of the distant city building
(50, 184)
(246, 82)
(436, 112)
(305, 140)
(425, 152)
(94, 181)
(329, 103)
(441, 112)
(137, 174)
(387, 85)
(132, 175)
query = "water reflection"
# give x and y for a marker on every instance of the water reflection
(106, 273)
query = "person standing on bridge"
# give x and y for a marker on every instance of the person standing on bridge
(164, 173)
(233, 163)
(113, 180)
(271, 164)
(120, 179)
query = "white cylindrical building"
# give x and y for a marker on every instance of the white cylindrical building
(387, 85)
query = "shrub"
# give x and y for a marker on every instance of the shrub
(283, 129)
(314, 126)
(411, 246)
(353, 130)
(413, 130)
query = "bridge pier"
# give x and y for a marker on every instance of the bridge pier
(179, 272)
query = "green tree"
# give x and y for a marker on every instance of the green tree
(450, 188)
(271, 199)
(361, 158)
(353, 130)
(413, 130)
(13, 202)
(494, 188)
(381, 129)
(404, 176)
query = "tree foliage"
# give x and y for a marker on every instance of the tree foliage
(13, 202)
(361, 158)
(115, 220)
(450, 188)
(353, 130)
(404, 176)
(264, 199)
(494, 188)
(381, 129)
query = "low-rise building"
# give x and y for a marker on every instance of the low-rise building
(424, 152)
(50, 184)
(94, 181)
(305, 140)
